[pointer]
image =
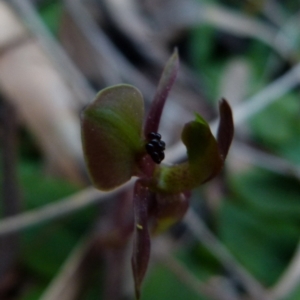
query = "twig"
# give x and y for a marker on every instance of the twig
(161, 253)
(68, 282)
(264, 160)
(250, 107)
(289, 280)
(203, 234)
(287, 37)
(58, 210)
(127, 16)
(222, 18)
(76, 80)
(274, 11)
(105, 49)
(11, 196)
(239, 24)
(268, 95)
(114, 61)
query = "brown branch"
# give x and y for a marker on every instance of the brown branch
(264, 160)
(290, 279)
(161, 253)
(11, 194)
(76, 80)
(69, 281)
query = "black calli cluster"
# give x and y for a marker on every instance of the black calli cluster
(155, 147)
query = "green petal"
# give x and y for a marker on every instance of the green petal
(204, 160)
(202, 149)
(112, 135)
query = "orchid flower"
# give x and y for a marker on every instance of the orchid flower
(117, 147)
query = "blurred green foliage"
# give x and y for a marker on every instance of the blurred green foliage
(44, 248)
(51, 12)
(163, 284)
(259, 218)
(260, 222)
(277, 128)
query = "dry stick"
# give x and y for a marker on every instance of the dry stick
(105, 48)
(287, 37)
(250, 107)
(205, 236)
(68, 283)
(128, 17)
(162, 253)
(268, 95)
(274, 11)
(76, 80)
(104, 64)
(234, 23)
(11, 196)
(264, 160)
(290, 278)
(53, 211)
(190, 280)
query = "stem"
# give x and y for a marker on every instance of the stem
(76, 80)
(141, 237)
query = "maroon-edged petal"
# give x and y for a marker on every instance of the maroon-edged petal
(141, 238)
(225, 129)
(165, 83)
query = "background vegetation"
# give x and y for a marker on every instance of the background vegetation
(240, 239)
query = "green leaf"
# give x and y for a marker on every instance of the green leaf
(39, 189)
(51, 13)
(278, 127)
(268, 194)
(294, 294)
(163, 284)
(259, 223)
(112, 135)
(44, 250)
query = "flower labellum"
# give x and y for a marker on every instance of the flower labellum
(117, 146)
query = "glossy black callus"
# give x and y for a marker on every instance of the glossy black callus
(155, 147)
